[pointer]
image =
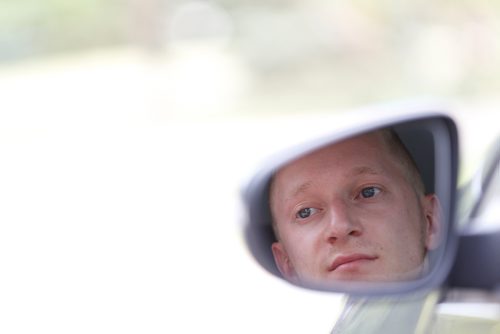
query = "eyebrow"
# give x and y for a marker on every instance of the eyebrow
(362, 170)
(356, 171)
(301, 188)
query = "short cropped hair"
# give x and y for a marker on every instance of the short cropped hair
(399, 151)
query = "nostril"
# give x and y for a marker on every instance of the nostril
(355, 233)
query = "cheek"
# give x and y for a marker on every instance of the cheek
(410, 236)
(410, 214)
(399, 229)
(302, 244)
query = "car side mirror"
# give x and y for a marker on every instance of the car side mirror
(366, 209)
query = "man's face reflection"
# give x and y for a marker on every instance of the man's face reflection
(352, 211)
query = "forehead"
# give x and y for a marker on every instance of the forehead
(368, 154)
(357, 153)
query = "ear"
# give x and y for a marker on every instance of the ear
(433, 218)
(283, 262)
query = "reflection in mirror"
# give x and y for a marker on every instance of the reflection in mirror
(354, 210)
(367, 211)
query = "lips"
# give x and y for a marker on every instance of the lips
(350, 259)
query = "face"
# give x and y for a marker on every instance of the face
(350, 211)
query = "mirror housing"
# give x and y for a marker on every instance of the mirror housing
(431, 139)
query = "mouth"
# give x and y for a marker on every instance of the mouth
(350, 261)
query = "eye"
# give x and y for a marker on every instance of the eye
(305, 213)
(369, 192)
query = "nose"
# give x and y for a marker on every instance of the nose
(341, 223)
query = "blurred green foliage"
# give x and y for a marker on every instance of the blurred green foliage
(33, 28)
(302, 54)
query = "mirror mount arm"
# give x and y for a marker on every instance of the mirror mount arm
(476, 265)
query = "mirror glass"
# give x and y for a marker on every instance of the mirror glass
(362, 209)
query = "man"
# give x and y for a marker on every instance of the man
(354, 210)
